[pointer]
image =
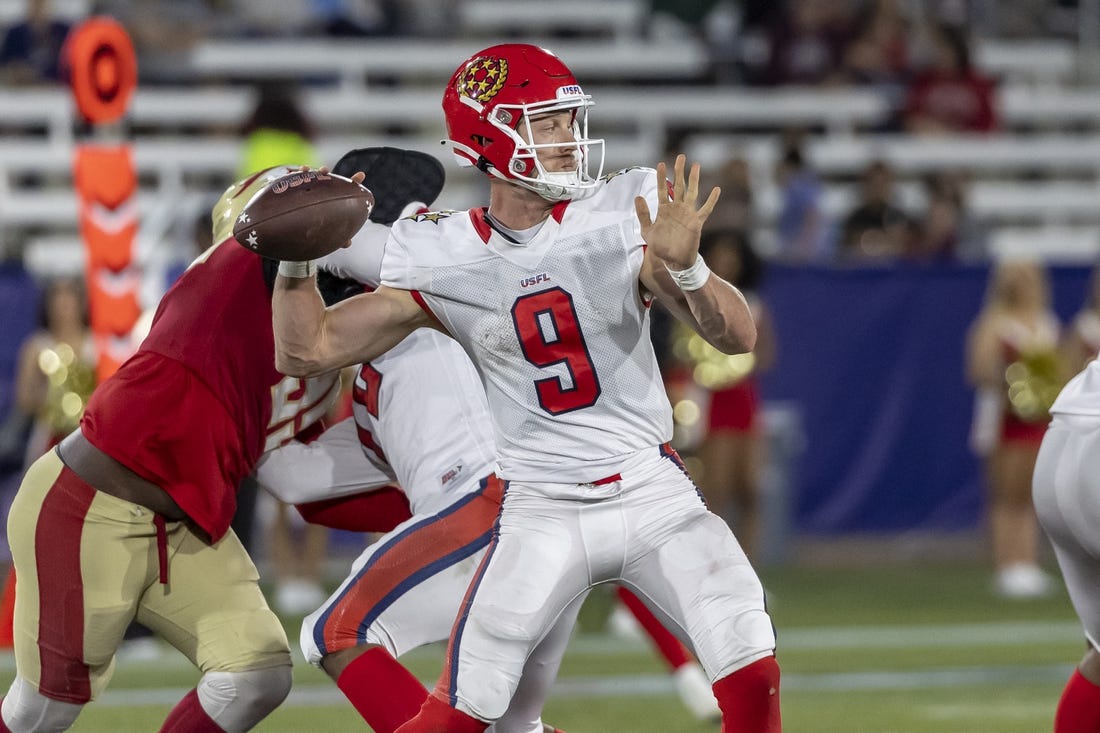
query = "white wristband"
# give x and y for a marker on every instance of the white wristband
(692, 278)
(297, 269)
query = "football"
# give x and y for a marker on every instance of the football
(303, 215)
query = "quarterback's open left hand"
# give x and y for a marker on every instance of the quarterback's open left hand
(673, 234)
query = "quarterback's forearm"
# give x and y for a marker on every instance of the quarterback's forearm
(716, 310)
(298, 315)
(723, 316)
(311, 339)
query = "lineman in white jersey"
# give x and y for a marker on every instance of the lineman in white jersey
(548, 291)
(1066, 492)
(420, 421)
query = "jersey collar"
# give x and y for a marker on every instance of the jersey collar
(477, 218)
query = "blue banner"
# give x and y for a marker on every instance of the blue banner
(874, 359)
(19, 304)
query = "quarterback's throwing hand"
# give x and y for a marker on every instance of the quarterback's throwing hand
(674, 233)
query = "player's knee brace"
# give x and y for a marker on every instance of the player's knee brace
(237, 701)
(27, 709)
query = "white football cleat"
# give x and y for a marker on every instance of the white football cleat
(695, 691)
(297, 596)
(622, 624)
(1023, 581)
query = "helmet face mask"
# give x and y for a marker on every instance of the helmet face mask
(490, 105)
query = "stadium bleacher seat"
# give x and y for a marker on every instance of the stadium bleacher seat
(1040, 172)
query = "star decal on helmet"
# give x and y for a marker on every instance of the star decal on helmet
(483, 78)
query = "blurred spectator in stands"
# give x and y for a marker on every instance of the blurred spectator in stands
(946, 230)
(279, 132)
(877, 227)
(56, 368)
(806, 44)
(1081, 341)
(950, 95)
(732, 447)
(317, 18)
(803, 231)
(352, 18)
(738, 39)
(1012, 362)
(936, 234)
(687, 16)
(30, 52)
(164, 32)
(1024, 19)
(735, 208)
(879, 54)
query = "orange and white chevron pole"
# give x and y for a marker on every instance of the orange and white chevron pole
(103, 75)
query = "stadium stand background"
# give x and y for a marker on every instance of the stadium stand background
(868, 412)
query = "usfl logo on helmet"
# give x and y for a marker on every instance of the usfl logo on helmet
(483, 78)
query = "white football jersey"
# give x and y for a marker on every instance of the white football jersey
(557, 327)
(1081, 396)
(422, 417)
(297, 403)
(420, 421)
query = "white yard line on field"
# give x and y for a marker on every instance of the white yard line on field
(649, 685)
(883, 637)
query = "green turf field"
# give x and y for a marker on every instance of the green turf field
(901, 649)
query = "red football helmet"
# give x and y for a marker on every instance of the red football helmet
(489, 104)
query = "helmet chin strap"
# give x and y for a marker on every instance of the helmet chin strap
(560, 186)
(544, 189)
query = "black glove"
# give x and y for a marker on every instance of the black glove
(396, 177)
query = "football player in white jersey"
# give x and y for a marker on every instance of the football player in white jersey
(548, 289)
(1066, 492)
(421, 422)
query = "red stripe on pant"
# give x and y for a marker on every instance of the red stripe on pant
(57, 539)
(446, 688)
(412, 552)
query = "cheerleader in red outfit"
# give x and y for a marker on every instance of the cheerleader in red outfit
(732, 449)
(56, 372)
(1012, 362)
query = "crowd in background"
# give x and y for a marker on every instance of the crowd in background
(915, 53)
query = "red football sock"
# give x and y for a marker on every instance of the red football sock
(382, 690)
(749, 698)
(437, 716)
(189, 717)
(668, 646)
(1079, 708)
(7, 612)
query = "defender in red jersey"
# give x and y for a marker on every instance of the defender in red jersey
(129, 517)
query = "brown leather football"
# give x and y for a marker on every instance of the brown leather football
(303, 215)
